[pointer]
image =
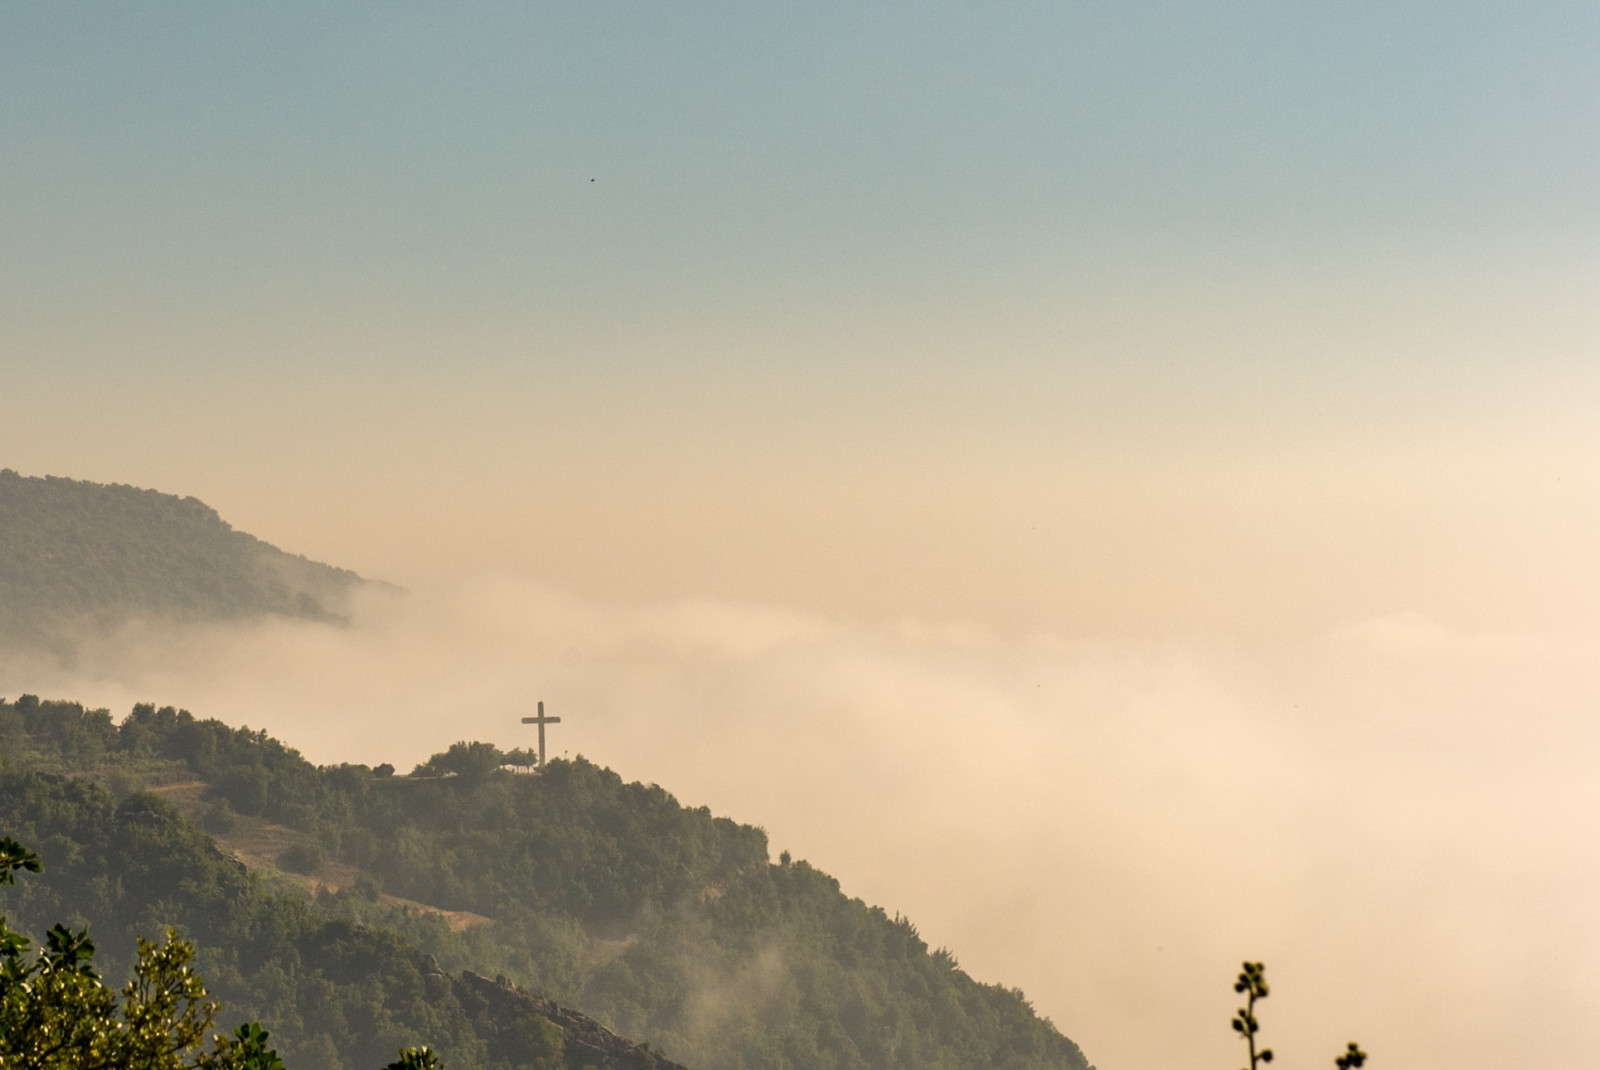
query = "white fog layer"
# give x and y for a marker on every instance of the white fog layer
(1394, 816)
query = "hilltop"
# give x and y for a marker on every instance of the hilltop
(78, 556)
(353, 909)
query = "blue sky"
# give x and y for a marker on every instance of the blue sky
(751, 168)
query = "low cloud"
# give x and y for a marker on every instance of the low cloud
(1399, 819)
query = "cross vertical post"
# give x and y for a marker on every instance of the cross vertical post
(541, 721)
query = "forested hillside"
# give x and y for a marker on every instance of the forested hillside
(663, 922)
(337, 993)
(76, 555)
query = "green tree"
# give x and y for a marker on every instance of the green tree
(57, 1014)
(415, 1059)
(470, 761)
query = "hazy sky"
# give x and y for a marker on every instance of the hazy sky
(1175, 334)
(1059, 316)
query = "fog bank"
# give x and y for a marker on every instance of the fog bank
(1396, 817)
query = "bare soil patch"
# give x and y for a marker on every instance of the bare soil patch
(259, 843)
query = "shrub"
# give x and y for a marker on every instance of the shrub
(218, 816)
(303, 857)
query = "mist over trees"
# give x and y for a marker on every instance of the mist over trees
(663, 922)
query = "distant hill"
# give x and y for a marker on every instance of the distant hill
(352, 910)
(77, 555)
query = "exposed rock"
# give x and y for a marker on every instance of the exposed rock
(587, 1043)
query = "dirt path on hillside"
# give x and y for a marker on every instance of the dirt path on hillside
(259, 843)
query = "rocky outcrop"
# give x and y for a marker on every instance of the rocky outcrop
(585, 1042)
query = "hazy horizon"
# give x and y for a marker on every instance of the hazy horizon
(1116, 486)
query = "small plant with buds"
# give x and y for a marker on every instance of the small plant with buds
(1252, 984)
(1352, 1058)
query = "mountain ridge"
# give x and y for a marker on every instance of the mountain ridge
(79, 558)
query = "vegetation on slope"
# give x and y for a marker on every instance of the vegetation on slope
(663, 922)
(76, 554)
(58, 1013)
(334, 995)
(334, 992)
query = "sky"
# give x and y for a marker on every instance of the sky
(1076, 409)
